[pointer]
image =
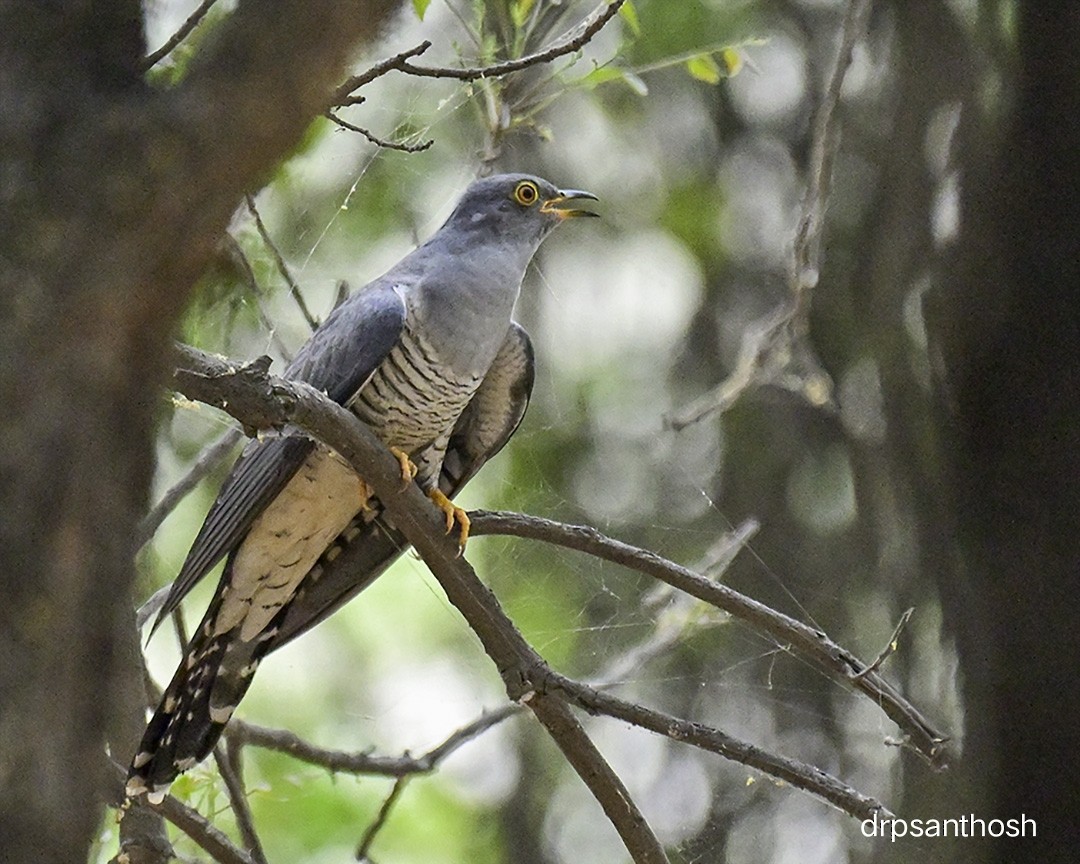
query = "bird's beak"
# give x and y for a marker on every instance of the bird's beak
(557, 204)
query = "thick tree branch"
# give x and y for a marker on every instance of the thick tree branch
(116, 196)
(258, 400)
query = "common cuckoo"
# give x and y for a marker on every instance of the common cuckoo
(427, 355)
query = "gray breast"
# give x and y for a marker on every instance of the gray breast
(413, 398)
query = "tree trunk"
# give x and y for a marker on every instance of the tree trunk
(112, 196)
(1008, 326)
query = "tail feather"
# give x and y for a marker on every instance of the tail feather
(209, 683)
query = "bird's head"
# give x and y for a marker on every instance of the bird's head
(516, 205)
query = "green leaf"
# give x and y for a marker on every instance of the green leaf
(519, 12)
(629, 14)
(421, 7)
(704, 68)
(605, 74)
(733, 61)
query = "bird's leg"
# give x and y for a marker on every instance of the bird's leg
(453, 514)
(408, 467)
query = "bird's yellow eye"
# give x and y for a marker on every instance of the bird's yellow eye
(526, 193)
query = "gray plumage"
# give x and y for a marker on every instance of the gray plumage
(429, 357)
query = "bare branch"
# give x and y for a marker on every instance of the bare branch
(574, 40)
(804, 641)
(379, 142)
(798, 774)
(236, 253)
(228, 763)
(283, 268)
(380, 819)
(257, 398)
(341, 762)
(179, 36)
(891, 645)
(252, 395)
(825, 141)
(355, 82)
(677, 614)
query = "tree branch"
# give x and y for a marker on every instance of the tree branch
(208, 460)
(379, 142)
(574, 40)
(802, 640)
(254, 397)
(228, 763)
(190, 23)
(283, 268)
(201, 830)
(342, 762)
(258, 400)
(798, 774)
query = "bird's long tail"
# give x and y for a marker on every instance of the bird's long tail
(213, 676)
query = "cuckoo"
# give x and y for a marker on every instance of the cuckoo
(430, 357)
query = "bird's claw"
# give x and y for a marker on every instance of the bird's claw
(408, 467)
(454, 515)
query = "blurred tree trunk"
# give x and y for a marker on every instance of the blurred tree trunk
(112, 197)
(1007, 323)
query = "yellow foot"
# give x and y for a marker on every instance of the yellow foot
(408, 467)
(453, 514)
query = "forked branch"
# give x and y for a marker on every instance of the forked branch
(260, 400)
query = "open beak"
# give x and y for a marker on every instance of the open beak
(557, 205)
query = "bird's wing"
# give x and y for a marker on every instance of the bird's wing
(493, 414)
(339, 358)
(371, 544)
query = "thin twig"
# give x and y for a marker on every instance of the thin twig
(757, 342)
(574, 40)
(228, 763)
(824, 144)
(342, 96)
(380, 819)
(283, 268)
(379, 142)
(890, 646)
(343, 762)
(804, 641)
(585, 30)
(208, 460)
(179, 36)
